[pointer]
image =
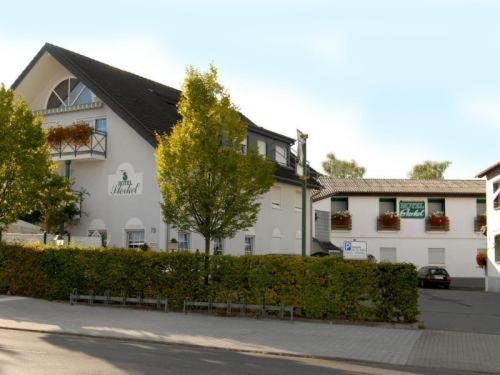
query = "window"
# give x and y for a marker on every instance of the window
(101, 125)
(135, 238)
(497, 248)
(386, 205)
(340, 204)
(298, 200)
(249, 245)
(68, 93)
(218, 246)
(436, 205)
(183, 241)
(496, 195)
(262, 147)
(101, 233)
(436, 256)
(388, 254)
(244, 146)
(276, 197)
(280, 155)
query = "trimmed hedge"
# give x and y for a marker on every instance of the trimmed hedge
(322, 288)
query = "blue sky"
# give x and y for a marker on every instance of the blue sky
(388, 83)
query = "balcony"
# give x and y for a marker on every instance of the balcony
(437, 223)
(479, 223)
(388, 221)
(77, 142)
(341, 221)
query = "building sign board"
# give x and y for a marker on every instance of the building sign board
(412, 209)
(125, 182)
(355, 250)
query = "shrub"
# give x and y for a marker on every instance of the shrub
(324, 288)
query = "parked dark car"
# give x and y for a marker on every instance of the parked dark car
(433, 276)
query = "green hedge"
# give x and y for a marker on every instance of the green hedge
(323, 288)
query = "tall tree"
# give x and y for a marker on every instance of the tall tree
(341, 168)
(429, 170)
(207, 183)
(25, 164)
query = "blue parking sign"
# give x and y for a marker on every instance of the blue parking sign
(347, 246)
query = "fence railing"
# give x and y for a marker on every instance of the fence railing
(96, 146)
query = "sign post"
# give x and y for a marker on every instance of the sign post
(301, 170)
(355, 250)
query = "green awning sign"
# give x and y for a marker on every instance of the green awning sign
(412, 209)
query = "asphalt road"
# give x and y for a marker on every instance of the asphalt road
(30, 353)
(460, 310)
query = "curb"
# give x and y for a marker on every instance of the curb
(233, 350)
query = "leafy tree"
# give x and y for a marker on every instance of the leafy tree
(429, 170)
(208, 184)
(341, 168)
(28, 182)
(25, 164)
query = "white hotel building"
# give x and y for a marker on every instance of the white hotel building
(492, 175)
(124, 111)
(454, 243)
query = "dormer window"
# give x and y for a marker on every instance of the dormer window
(280, 155)
(68, 93)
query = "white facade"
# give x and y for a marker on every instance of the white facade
(129, 216)
(493, 227)
(455, 249)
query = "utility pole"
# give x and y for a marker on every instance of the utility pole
(302, 172)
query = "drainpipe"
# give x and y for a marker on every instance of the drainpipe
(67, 174)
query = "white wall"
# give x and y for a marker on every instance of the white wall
(125, 145)
(286, 220)
(493, 224)
(412, 241)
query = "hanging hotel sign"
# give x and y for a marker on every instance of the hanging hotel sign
(411, 209)
(125, 182)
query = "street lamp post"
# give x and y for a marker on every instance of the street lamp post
(302, 172)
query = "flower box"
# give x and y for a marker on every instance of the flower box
(76, 136)
(437, 221)
(341, 220)
(389, 221)
(479, 222)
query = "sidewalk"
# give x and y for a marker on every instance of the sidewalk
(427, 348)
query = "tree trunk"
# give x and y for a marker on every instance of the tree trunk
(207, 258)
(0, 235)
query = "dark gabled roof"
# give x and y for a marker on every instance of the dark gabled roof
(378, 186)
(146, 105)
(491, 168)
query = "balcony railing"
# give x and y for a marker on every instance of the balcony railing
(341, 222)
(95, 148)
(388, 223)
(437, 224)
(479, 222)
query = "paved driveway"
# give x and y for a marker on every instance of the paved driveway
(459, 310)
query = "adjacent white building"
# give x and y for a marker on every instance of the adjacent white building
(492, 175)
(355, 210)
(116, 165)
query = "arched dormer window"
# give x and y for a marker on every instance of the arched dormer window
(68, 93)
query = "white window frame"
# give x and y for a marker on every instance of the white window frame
(135, 243)
(185, 244)
(276, 201)
(249, 245)
(95, 125)
(262, 147)
(429, 256)
(280, 155)
(392, 249)
(218, 246)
